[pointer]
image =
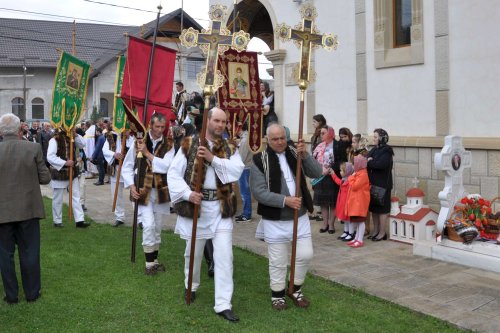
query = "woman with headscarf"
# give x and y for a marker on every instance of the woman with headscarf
(325, 189)
(380, 174)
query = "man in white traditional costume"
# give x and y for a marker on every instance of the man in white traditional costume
(152, 194)
(89, 147)
(58, 156)
(112, 151)
(272, 181)
(221, 168)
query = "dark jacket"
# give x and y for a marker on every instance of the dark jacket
(98, 155)
(380, 167)
(22, 170)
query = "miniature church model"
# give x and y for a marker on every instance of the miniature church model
(414, 221)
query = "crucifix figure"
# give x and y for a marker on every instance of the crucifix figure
(213, 42)
(306, 37)
(452, 159)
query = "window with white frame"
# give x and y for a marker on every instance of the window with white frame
(37, 108)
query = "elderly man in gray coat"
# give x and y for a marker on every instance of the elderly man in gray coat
(22, 170)
(272, 180)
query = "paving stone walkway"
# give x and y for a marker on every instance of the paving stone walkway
(467, 297)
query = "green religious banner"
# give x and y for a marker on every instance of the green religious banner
(70, 90)
(119, 118)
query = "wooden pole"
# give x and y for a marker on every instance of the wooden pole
(139, 136)
(298, 176)
(70, 201)
(119, 172)
(207, 92)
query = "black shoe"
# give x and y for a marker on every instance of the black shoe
(331, 231)
(58, 225)
(193, 295)
(140, 225)
(84, 208)
(31, 300)
(117, 223)
(324, 230)
(375, 239)
(10, 302)
(229, 315)
(82, 224)
(99, 183)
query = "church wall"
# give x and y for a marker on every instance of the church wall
(402, 99)
(474, 67)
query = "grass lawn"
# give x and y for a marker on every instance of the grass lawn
(90, 285)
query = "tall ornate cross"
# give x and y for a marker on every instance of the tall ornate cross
(307, 37)
(452, 159)
(214, 41)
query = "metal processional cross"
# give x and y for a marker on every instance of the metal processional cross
(307, 38)
(213, 42)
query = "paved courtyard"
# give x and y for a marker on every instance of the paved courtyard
(467, 297)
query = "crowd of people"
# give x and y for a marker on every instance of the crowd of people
(340, 169)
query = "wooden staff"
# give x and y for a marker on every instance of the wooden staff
(298, 176)
(137, 183)
(71, 156)
(207, 92)
(119, 172)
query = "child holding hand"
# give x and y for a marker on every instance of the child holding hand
(346, 169)
(358, 199)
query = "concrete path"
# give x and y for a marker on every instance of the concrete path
(467, 297)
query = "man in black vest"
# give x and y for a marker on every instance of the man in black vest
(152, 192)
(272, 181)
(180, 100)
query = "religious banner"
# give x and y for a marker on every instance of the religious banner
(240, 95)
(135, 77)
(70, 90)
(119, 117)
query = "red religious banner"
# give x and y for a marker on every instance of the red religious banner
(135, 79)
(240, 95)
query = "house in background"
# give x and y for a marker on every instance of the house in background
(414, 221)
(29, 57)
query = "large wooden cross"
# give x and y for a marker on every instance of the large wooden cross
(214, 41)
(306, 37)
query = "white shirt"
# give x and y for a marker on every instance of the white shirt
(58, 163)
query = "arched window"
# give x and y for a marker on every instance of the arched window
(403, 229)
(18, 107)
(395, 227)
(412, 230)
(37, 108)
(103, 107)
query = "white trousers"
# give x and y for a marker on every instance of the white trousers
(223, 270)
(57, 203)
(81, 182)
(278, 261)
(119, 209)
(152, 223)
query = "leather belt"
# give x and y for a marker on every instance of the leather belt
(209, 195)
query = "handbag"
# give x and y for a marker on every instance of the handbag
(377, 195)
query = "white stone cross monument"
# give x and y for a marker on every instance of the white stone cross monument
(452, 159)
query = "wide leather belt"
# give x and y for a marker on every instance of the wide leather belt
(209, 195)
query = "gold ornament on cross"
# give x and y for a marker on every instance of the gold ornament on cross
(214, 41)
(307, 37)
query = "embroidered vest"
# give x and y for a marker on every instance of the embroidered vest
(148, 179)
(63, 146)
(111, 138)
(268, 163)
(227, 199)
